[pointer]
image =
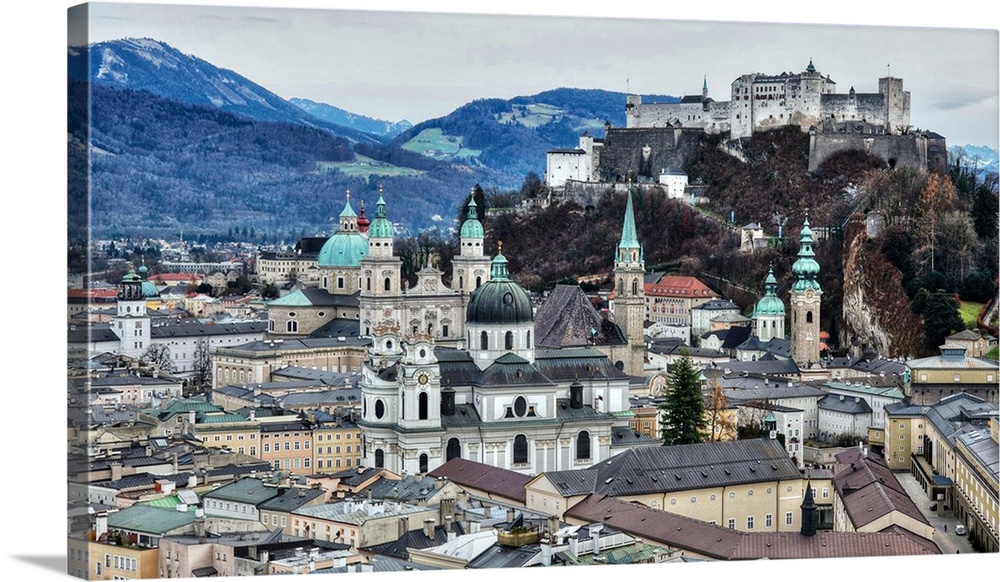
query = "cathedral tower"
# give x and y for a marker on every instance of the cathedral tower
(630, 302)
(805, 301)
(471, 267)
(381, 276)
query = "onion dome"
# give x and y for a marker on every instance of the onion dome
(472, 228)
(770, 303)
(805, 267)
(499, 300)
(380, 227)
(347, 247)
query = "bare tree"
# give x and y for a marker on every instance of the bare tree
(720, 415)
(158, 356)
(201, 366)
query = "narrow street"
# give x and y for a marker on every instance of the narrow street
(948, 541)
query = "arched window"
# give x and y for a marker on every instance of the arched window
(454, 450)
(484, 341)
(508, 340)
(368, 284)
(379, 458)
(422, 406)
(527, 343)
(461, 280)
(388, 284)
(423, 462)
(520, 449)
(291, 326)
(583, 445)
(809, 317)
(479, 281)
(635, 286)
(621, 286)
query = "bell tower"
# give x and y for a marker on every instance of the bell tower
(471, 267)
(381, 275)
(805, 301)
(630, 301)
(131, 322)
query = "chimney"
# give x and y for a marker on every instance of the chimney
(552, 525)
(510, 515)
(429, 528)
(101, 525)
(546, 548)
(447, 510)
(572, 545)
(116, 471)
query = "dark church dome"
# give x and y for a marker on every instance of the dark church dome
(499, 300)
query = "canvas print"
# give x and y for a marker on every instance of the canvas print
(372, 291)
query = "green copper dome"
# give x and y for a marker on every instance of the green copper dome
(380, 227)
(805, 267)
(770, 303)
(347, 247)
(499, 300)
(472, 228)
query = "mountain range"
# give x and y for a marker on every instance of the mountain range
(182, 145)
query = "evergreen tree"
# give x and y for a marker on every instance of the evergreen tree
(682, 414)
(941, 318)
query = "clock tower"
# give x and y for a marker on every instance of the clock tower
(805, 297)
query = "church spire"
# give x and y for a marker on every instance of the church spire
(629, 240)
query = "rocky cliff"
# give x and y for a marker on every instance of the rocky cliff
(876, 310)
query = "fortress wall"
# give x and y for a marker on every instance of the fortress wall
(911, 150)
(623, 151)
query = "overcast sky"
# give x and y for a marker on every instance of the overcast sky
(416, 66)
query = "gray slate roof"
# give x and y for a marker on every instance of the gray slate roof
(568, 318)
(677, 468)
(512, 370)
(844, 405)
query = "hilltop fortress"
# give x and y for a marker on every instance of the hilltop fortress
(659, 138)
(760, 102)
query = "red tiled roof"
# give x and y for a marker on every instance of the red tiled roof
(662, 527)
(110, 293)
(722, 543)
(829, 544)
(869, 489)
(678, 286)
(487, 478)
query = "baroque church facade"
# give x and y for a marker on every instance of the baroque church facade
(496, 397)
